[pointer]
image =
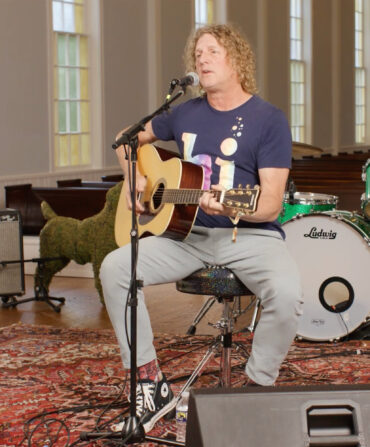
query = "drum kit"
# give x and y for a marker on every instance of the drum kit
(332, 250)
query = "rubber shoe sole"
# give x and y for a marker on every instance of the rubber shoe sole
(168, 412)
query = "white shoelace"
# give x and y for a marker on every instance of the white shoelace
(144, 397)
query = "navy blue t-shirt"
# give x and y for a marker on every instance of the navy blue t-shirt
(230, 146)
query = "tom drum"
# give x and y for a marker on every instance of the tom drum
(306, 203)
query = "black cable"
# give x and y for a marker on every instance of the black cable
(110, 405)
(74, 410)
(46, 423)
(347, 331)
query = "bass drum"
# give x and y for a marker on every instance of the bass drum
(332, 251)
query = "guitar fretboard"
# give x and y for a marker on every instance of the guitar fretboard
(182, 196)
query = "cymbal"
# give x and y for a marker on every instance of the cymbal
(301, 149)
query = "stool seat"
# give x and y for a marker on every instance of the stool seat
(213, 280)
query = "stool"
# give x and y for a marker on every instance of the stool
(226, 288)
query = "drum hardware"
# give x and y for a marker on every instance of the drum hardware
(362, 332)
(353, 219)
(333, 261)
(365, 207)
(365, 198)
(291, 191)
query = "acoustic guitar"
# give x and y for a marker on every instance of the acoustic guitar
(171, 197)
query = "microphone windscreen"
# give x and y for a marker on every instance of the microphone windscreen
(195, 77)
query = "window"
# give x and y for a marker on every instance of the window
(297, 73)
(360, 74)
(71, 85)
(209, 11)
(204, 12)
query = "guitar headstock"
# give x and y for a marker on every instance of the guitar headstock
(243, 200)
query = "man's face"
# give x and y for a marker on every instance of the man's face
(213, 65)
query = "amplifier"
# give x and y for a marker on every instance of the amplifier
(11, 253)
(316, 416)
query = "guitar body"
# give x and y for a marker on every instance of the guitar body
(159, 218)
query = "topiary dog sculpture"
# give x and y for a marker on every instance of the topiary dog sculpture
(83, 241)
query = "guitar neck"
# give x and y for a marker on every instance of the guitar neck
(183, 196)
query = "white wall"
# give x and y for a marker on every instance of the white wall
(24, 119)
(142, 43)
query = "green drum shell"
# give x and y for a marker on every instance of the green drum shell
(355, 220)
(365, 199)
(306, 203)
(366, 178)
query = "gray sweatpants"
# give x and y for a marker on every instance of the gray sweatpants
(258, 257)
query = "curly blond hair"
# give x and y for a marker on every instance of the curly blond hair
(237, 48)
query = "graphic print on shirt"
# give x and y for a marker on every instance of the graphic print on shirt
(202, 159)
(228, 147)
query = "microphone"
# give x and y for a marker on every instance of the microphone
(190, 79)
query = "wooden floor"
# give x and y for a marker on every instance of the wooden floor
(171, 312)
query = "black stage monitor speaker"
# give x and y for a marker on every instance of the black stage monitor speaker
(320, 416)
(11, 249)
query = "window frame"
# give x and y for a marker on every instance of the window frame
(92, 19)
(361, 104)
(298, 100)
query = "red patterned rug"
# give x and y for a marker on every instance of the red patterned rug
(62, 382)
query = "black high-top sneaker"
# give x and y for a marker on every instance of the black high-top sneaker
(153, 401)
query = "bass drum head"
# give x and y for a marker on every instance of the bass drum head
(333, 256)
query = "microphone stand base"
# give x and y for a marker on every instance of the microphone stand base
(137, 435)
(133, 430)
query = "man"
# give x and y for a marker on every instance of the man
(238, 139)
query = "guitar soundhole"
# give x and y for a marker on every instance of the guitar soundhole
(158, 196)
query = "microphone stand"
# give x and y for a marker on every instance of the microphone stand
(133, 431)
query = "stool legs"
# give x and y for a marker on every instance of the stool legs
(226, 326)
(205, 308)
(222, 343)
(253, 322)
(197, 371)
(237, 311)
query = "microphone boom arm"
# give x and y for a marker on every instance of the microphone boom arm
(132, 132)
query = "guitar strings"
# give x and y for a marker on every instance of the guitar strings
(182, 195)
